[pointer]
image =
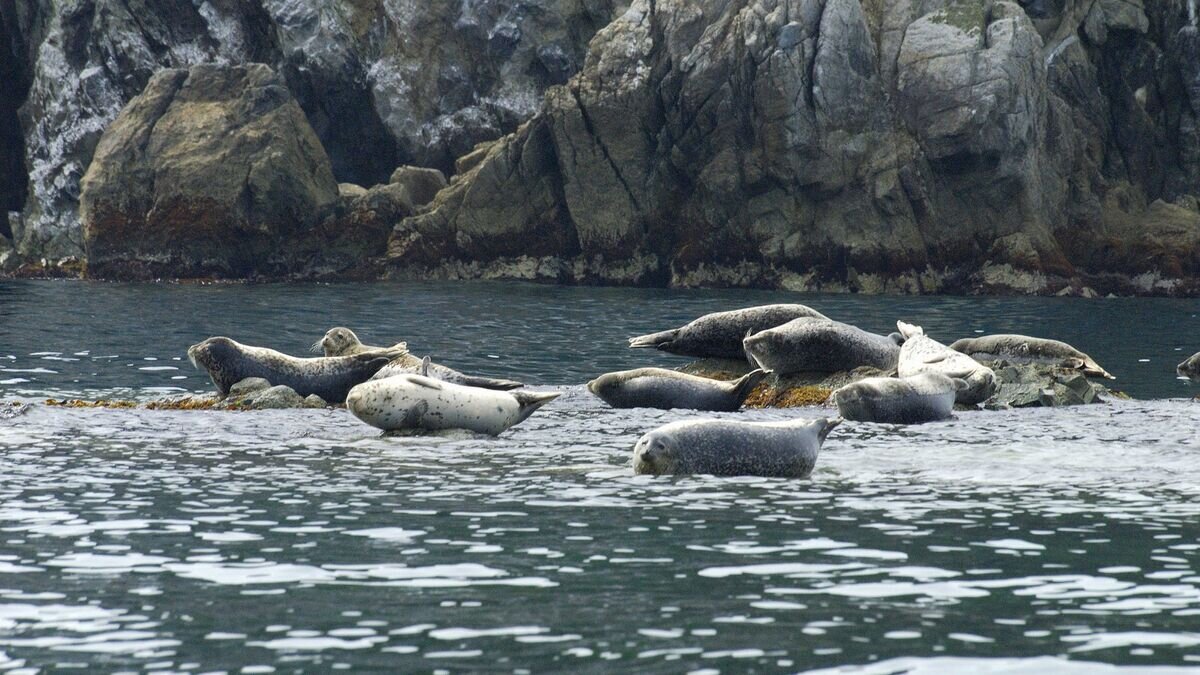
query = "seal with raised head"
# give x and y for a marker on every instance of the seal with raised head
(229, 362)
(342, 341)
(819, 346)
(417, 402)
(922, 354)
(666, 389)
(928, 397)
(729, 448)
(1190, 368)
(719, 335)
(1026, 349)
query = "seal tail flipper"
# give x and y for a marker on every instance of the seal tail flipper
(490, 383)
(908, 330)
(746, 383)
(656, 340)
(425, 366)
(530, 401)
(1090, 367)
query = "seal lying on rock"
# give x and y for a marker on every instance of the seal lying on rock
(343, 342)
(1190, 368)
(719, 335)
(1026, 349)
(927, 397)
(228, 362)
(726, 448)
(819, 346)
(921, 354)
(666, 389)
(420, 402)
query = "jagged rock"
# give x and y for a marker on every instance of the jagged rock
(277, 397)
(350, 191)
(1034, 385)
(381, 83)
(247, 387)
(212, 171)
(422, 183)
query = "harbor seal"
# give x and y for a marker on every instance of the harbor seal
(341, 341)
(1026, 349)
(821, 346)
(1190, 368)
(727, 448)
(424, 403)
(229, 362)
(927, 397)
(922, 354)
(666, 389)
(719, 335)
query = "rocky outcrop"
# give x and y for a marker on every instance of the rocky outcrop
(215, 172)
(914, 146)
(381, 83)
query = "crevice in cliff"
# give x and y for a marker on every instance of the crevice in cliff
(14, 86)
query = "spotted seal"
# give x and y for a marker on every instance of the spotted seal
(666, 389)
(1026, 349)
(820, 346)
(927, 397)
(341, 341)
(1190, 368)
(719, 335)
(922, 354)
(424, 403)
(229, 362)
(730, 448)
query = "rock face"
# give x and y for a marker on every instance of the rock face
(212, 171)
(914, 146)
(382, 82)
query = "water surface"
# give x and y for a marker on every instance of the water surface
(1023, 541)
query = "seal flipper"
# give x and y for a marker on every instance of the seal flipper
(412, 417)
(744, 385)
(490, 383)
(530, 401)
(908, 330)
(660, 340)
(827, 425)
(425, 366)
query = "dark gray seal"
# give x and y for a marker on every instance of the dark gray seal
(342, 341)
(228, 362)
(719, 335)
(928, 397)
(1190, 368)
(667, 389)
(819, 346)
(922, 354)
(1026, 349)
(727, 448)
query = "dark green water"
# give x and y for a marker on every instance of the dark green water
(1019, 541)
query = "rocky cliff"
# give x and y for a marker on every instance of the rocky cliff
(871, 145)
(382, 82)
(914, 146)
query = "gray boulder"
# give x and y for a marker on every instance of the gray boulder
(422, 183)
(277, 397)
(248, 387)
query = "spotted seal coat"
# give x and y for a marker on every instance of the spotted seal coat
(667, 389)
(719, 335)
(1026, 349)
(821, 346)
(733, 448)
(927, 397)
(229, 362)
(922, 354)
(342, 341)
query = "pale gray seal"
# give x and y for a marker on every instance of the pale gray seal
(342, 341)
(927, 397)
(228, 362)
(819, 346)
(1190, 368)
(727, 448)
(922, 354)
(1026, 349)
(719, 335)
(419, 402)
(666, 389)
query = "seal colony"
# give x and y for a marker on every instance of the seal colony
(902, 378)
